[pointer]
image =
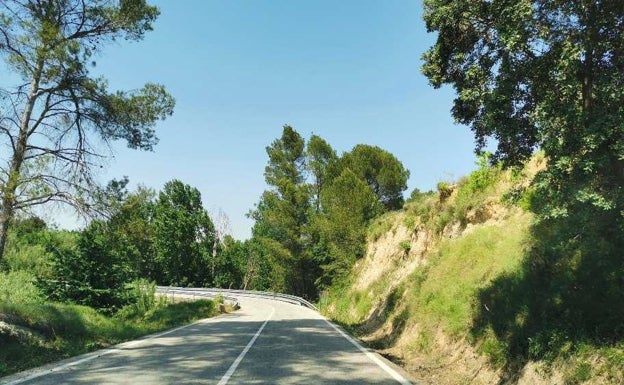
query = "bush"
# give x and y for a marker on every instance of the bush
(406, 246)
(86, 271)
(142, 297)
(445, 189)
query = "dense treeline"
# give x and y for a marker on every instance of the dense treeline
(311, 223)
(310, 227)
(167, 238)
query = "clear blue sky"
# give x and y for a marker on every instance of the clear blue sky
(348, 71)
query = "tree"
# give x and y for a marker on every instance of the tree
(85, 269)
(231, 264)
(283, 211)
(183, 236)
(57, 120)
(321, 163)
(222, 230)
(131, 231)
(381, 170)
(540, 74)
(349, 204)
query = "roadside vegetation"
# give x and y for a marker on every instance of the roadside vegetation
(513, 274)
(491, 282)
(34, 332)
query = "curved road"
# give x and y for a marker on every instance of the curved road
(266, 342)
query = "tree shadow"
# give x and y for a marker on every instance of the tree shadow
(291, 349)
(568, 292)
(376, 321)
(380, 314)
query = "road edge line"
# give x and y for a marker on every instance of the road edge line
(77, 360)
(372, 356)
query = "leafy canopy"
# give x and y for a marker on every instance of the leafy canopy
(539, 74)
(381, 170)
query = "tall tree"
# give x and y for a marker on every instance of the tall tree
(349, 204)
(381, 170)
(540, 74)
(131, 230)
(231, 263)
(55, 122)
(283, 212)
(183, 236)
(321, 163)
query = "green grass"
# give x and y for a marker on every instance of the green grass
(380, 226)
(442, 293)
(64, 330)
(19, 287)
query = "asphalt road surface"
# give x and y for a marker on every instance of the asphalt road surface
(266, 342)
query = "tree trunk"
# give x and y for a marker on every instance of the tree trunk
(4, 227)
(7, 210)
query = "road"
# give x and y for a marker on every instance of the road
(265, 342)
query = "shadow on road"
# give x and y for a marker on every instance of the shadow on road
(288, 351)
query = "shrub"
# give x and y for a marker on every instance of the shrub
(406, 246)
(445, 189)
(142, 297)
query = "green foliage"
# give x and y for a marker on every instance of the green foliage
(406, 246)
(85, 270)
(52, 128)
(265, 265)
(426, 297)
(131, 232)
(445, 189)
(25, 249)
(183, 237)
(142, 297)
(381, 170)
(455, 201)
(231, 264)
(491, 249)
(379, 226)
(484, 177)
(322, 164)
(473, 191)
(349, 204)
(422, 206)
(564, 292)
(19, 287)
(539, 73)
(522, 290)
(318, 207)
(283, 212)
(582, 372)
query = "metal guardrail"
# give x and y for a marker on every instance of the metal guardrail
(229, 294)
(186, 293)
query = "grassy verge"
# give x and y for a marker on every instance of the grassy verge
(42, 333)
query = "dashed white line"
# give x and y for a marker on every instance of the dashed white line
(226, 377)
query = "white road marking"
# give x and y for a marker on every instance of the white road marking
(373, 357)
(232, 369)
